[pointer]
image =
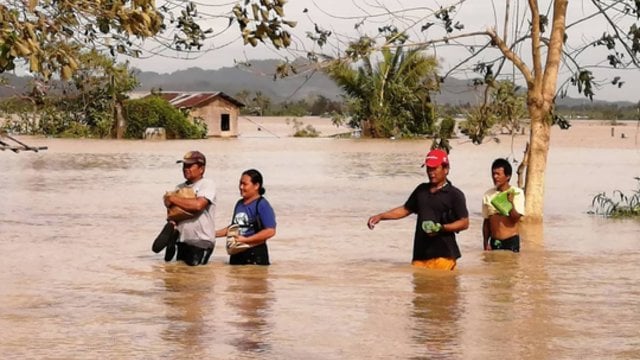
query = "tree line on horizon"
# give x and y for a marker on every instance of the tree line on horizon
(85, 105)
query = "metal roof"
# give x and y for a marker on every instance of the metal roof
(195, 99)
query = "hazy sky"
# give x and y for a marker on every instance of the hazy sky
(341, 16)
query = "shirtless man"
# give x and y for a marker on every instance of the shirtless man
(500, 225)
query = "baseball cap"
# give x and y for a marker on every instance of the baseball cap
(435, 158)
(193, 157)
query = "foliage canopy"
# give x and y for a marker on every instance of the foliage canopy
(49, 35)
(153, 111)
(390, 97)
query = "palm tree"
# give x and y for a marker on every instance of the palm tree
(392, 97)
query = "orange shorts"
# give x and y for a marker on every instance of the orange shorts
(440, 263)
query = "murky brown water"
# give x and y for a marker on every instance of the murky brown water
(78, 279)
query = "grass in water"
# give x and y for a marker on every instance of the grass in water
(618, 205)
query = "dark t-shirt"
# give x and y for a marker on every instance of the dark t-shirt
(444, 206)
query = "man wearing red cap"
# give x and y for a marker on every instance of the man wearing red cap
(442, 212)
(195, 235)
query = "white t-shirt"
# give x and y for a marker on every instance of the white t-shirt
(488, 209)
(201, 227)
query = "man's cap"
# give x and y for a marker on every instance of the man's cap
(193, 157)
(435, 158)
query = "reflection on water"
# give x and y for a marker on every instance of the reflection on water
(186, 296)
(436, 312)
(251, 307)
(533, 235)
(78, 278)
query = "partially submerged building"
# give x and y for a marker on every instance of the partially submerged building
(216, 109)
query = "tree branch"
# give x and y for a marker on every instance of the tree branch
(512, 56)
(615, 29)
(464, 61)
(554, 53)
(535, 42)
(447, 39)
(506, 20)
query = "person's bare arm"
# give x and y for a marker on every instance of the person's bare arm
(456, 226)
(486, 232)
(259, 237)
(393, 214)
(222, 232)
(191, 205)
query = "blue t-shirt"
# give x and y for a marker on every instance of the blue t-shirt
(245, 216)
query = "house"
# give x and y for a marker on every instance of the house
(217, 109)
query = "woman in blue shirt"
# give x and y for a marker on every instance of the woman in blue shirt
(255, 219)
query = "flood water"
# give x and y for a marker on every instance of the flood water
(78, 279)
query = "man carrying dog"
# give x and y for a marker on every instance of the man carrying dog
(195, 237)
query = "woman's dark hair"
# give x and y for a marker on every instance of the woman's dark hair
(256, 178)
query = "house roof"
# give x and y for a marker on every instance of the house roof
(195, 99)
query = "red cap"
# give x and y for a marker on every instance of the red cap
(436, 157)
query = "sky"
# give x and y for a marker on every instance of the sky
(225, 49)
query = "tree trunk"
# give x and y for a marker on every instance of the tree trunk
(534, 234)
(537, 162)
(522, 167)
(121, 124)
(365, 126)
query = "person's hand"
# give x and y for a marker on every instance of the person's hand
(431, 227)
(511, 194)
(167, 199)
(373, 221)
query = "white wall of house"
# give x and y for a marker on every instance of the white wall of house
(213, 115)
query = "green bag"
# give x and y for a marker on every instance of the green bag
(431, 227)
(501, 203)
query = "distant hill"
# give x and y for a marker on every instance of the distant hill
(258, 75)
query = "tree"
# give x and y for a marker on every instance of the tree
(536, 39)
(392, 97)
(261, 103)
(49, 35)
(509, 106)
(101, 86)
(504, 106)
(243, 96)
(83, 106)
(322, 105)
(154, 111)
